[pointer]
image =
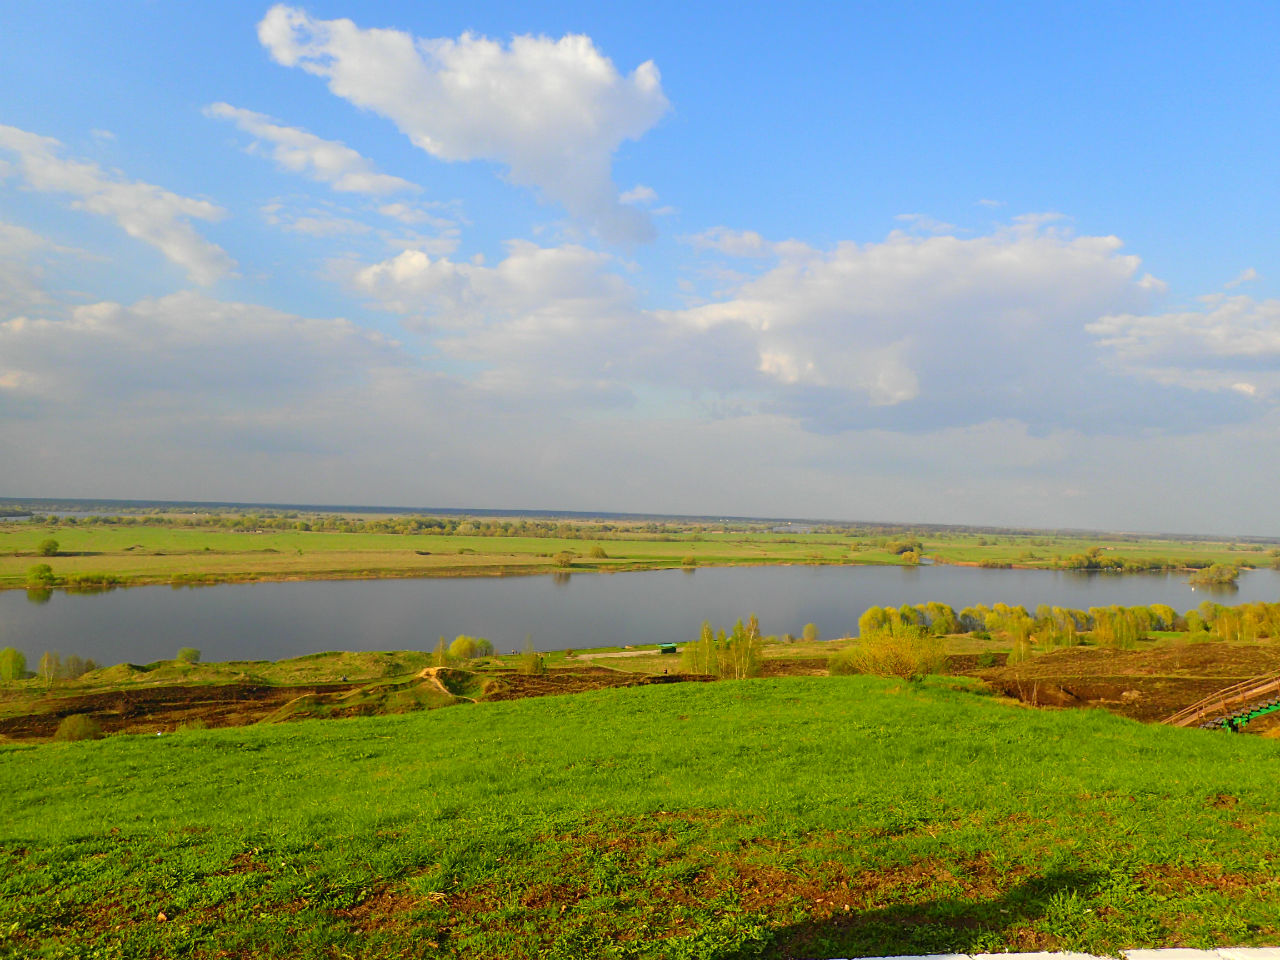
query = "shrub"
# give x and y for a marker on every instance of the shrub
(810, 633)
(78, 726)
(532, 663)
(564, 558)
(48, 548)
(12, 664)
(689, 562)
(41, 575)
(909, 653)
(188, 655)
(597, 553)
(987, 659)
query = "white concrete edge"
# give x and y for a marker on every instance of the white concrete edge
(1221, 953)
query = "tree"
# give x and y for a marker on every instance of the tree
(48, 548)
(188, 655)
(12, 664)
(463, 647)
(50, 666)
(810, 633)
(41, 575)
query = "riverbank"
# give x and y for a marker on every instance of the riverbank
(89, 553)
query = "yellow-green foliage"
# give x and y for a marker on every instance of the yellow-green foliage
(907, 651)
(78, 726)
(734, 656)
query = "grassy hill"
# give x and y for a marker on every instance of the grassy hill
(795, 817)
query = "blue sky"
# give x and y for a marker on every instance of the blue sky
(977, 263)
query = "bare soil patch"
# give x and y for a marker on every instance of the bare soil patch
(1145, 684)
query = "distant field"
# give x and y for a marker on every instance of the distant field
(163, 554)
(797, 817)
(156, 554)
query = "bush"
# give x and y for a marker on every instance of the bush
(78, 726)
(48, 548)
(810, 633)
(597, 553)
(532, 663)
(564, 558)
(689, 562)
(910, 653)
(188, 655)
(13, 665)
(41, 575)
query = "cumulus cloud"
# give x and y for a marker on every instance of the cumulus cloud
(1231, 344)
(939, 326)
(908, 333)
(299, 151)
(185, 350)
(553, 111)
(150, 213)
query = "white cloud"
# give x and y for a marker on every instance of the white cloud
(733, 243)
(143, 210)
(912, 332)
(185, 350)
(313, 222)
(919, 317)
(925, 223)
(553, 111)
(1245, 276)
(639, 195)
(1231, 344)
(299, 151)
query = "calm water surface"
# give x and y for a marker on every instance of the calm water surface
(277, 620)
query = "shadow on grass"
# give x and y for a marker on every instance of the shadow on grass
(942, 925)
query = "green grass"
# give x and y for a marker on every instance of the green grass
(158, 554)
(168, 554)
(802, 817)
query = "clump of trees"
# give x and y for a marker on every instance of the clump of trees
(735, 655)
(466, 647)
(1217, 575)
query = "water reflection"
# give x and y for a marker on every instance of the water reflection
(275, 620)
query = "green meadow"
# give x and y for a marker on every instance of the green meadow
(795, 817)
(183, 550)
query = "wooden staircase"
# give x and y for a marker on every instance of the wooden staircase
(1232, 707)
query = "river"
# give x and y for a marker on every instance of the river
(278, 620)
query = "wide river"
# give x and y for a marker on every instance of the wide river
(277, 620)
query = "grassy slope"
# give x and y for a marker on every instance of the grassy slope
(800, 817)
